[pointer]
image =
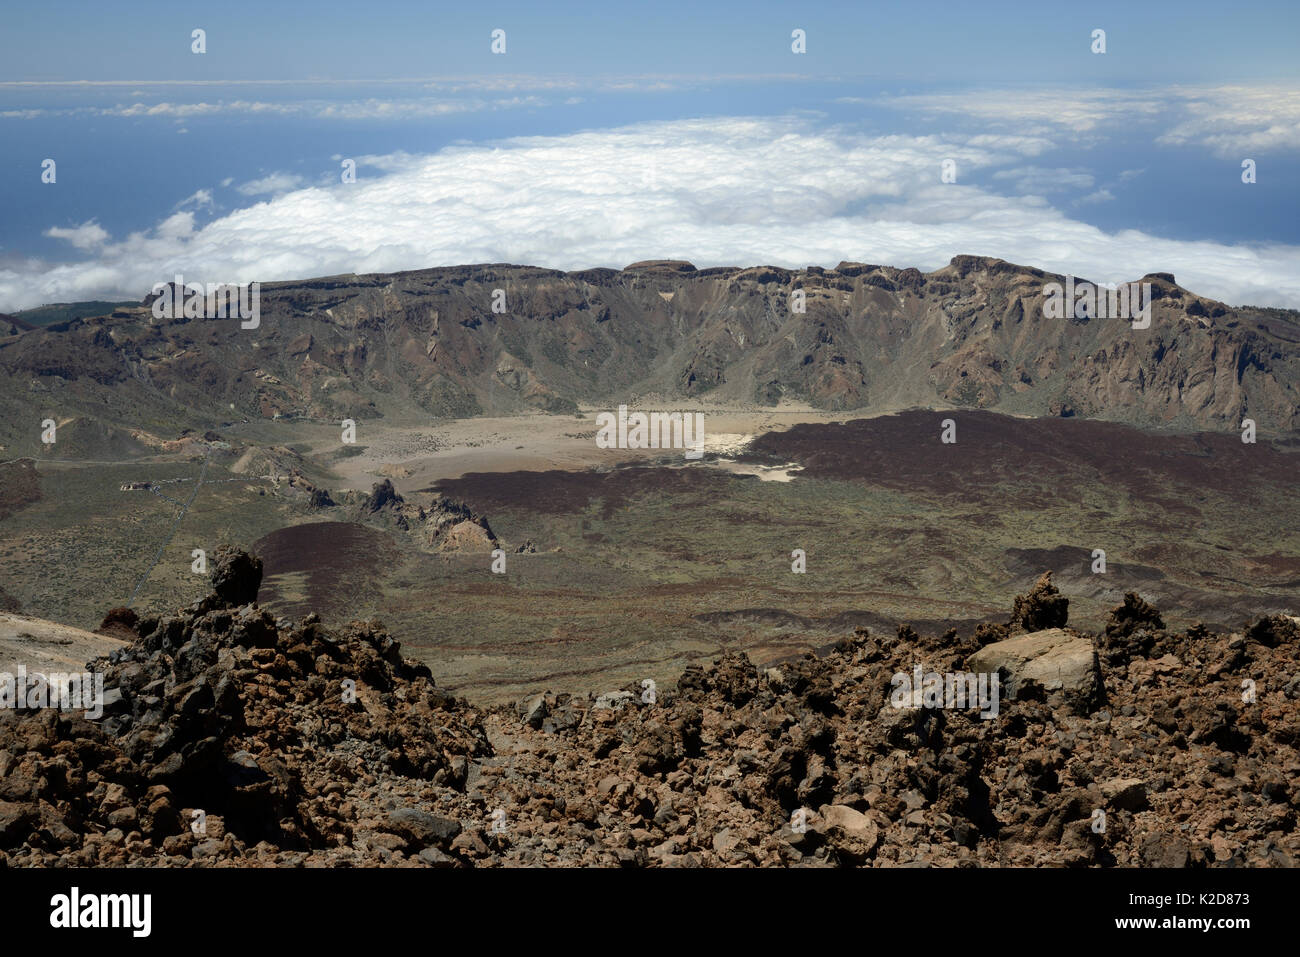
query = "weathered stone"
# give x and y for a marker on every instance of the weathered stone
(612, 700)
(421, 827)
(1058, 662)
(1129, 794)
(533, 710)
(14, 822)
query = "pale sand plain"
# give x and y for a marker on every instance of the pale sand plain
(416, 457)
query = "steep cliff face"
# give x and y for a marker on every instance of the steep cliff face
(466, 340)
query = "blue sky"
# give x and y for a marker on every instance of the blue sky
(609, 133)
(913, 40)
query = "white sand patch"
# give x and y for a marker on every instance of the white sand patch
(726, 443)
(453, 447)
(765, 473)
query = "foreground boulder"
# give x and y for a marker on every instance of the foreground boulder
(1059, 663)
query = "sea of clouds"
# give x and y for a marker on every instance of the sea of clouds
(788, 191)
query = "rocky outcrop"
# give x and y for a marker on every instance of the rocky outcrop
(236, 576)
(439, 524)
(1131, 629)
(230, 738)
(1044, 607)
(228, 735)
(382, 496)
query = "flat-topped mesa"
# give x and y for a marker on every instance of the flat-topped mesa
(960, 267)
(846, 268)
(661, 265)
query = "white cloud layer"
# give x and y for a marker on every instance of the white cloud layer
(1231, 121)
(271, 184)
(89, 235)
(373, 108)
(1239, 121)
(717, 192)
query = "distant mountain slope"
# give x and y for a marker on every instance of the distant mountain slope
(428, 343)
(12, 325)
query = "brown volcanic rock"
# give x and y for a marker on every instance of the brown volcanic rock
(440, 524)
(1044, 607)
(119, 623)
(1130, 629)
(305, 746)
(1052, 660)
(382, 495)
(465, 536)
(262, 727)
(236, 576)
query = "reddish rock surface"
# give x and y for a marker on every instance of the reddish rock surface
(232, 739)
